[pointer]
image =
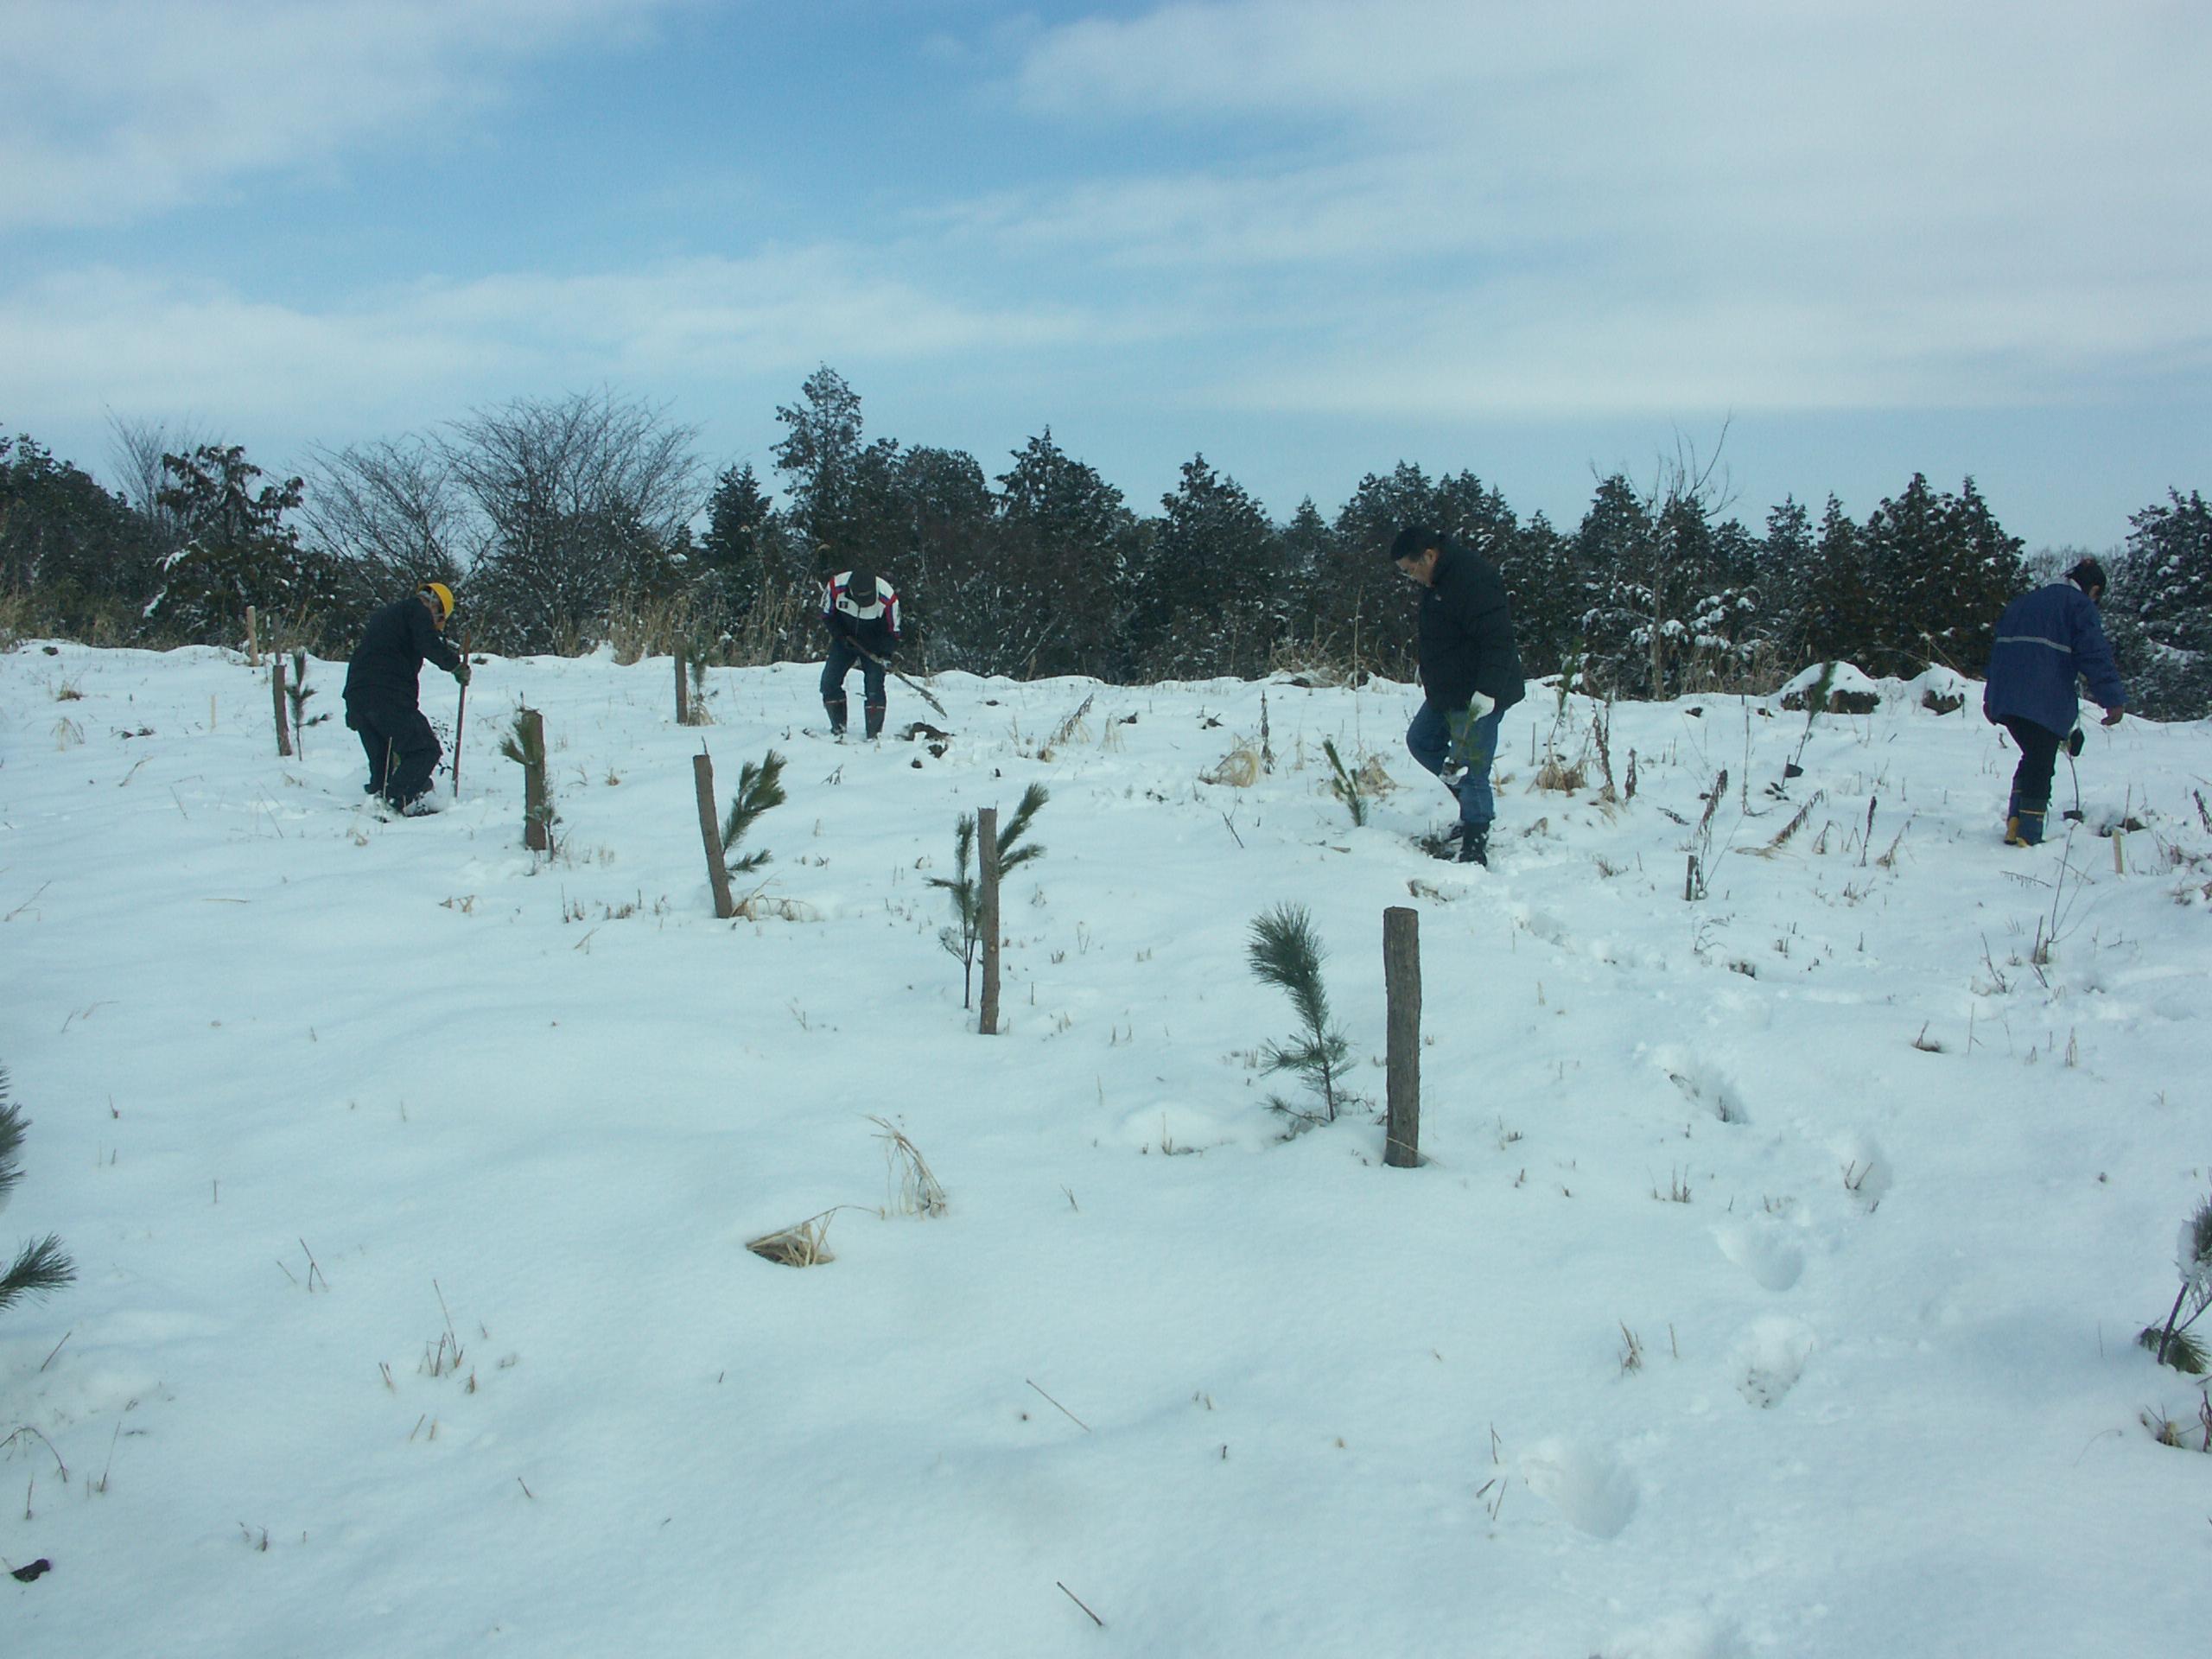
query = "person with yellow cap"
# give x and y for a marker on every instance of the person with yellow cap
(383, 693)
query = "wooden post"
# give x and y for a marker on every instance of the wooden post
(682, 691)
(276, 691)
(1402, 988)
(536, 814)
(986, 908)
(710, 831)
(253, 643)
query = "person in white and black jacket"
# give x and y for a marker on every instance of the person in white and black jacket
(861, 610)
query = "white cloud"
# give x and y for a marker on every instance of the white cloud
(1491, 206)
(111, 109)
(82, 341)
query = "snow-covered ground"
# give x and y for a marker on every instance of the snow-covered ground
(1770, 1288)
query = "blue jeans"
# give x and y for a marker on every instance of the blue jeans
(1428, 739)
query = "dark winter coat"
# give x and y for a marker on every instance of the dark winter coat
(2045, 640)
(386, 667)
(1466, 634)
(870, 621)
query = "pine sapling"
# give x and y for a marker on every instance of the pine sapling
(1817, 703)
(40, 1268)
(1283, 949)
(965, 935)
(1344, 786)
(758, 788)
(2171, 1343)
(298, 691)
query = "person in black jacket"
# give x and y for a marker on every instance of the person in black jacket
(383, 692)
(1470, 674)
(861, 610)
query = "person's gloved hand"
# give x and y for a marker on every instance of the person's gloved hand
(1461, 724)
(462, 673)
(2112, 717)
(2074, 740)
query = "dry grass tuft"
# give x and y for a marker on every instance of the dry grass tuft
(1239, 769)
(804, 1244)
(914, 1190)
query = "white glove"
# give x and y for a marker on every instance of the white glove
(1480, 704)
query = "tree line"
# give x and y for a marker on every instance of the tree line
(572, 522)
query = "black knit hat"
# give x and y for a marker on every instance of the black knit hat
(2087, 574)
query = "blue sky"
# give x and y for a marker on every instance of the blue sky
(1543, 242)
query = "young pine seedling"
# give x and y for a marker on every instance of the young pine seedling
(1283, 949)
(2171, 1342)
(758, 788)
(965, 935)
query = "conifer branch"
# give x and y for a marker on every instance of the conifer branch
(1284, 950)
(758, 788)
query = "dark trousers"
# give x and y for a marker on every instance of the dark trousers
(401, 749)
(842, 655)
(2039, 747)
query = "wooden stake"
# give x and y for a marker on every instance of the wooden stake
(682, 691)
(987, 907)
(460, 718)
(1401, 990)
(702, 778)
(253, 644)
(536, 828)
(276, 691)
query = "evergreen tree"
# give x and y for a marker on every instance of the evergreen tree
(1786, 564)
(938, 550)
(1069, 547)
(77, 553)
(1213, 596)
(1615, 552)
(738, 512)
(1540, 583)
(1364, 609)
(1307, 556)
(1941, 569)
(2161, 609)
(1839, 603)
(820, 452)
(239, 552)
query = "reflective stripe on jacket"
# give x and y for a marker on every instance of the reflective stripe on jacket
(2046, 639)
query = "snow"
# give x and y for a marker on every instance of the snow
(1770, 1288)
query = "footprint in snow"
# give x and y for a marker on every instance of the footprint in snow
(1768, 1359)
(1763, 1249)
(1703, 1085)
(1590, 1491)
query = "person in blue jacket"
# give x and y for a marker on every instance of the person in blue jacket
(2047, 639)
